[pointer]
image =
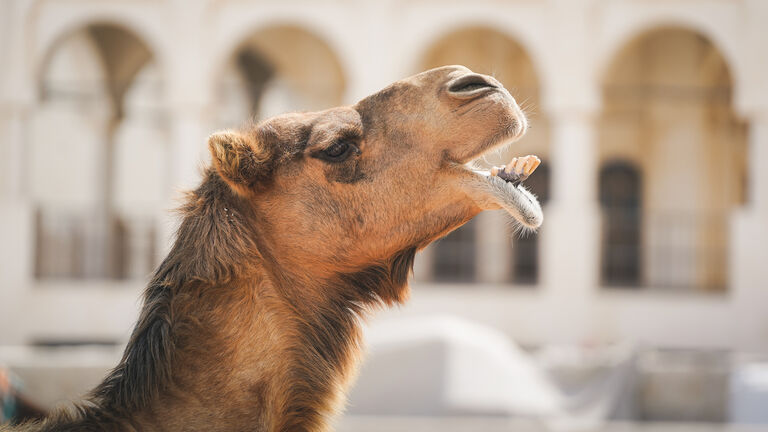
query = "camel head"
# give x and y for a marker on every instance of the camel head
(338, 191)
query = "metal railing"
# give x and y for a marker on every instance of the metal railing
(680, 250)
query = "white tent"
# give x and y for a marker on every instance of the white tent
(448, 366)
(445, 366)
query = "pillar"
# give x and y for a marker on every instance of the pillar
(16, 213)
(749, 254)
(571, 246)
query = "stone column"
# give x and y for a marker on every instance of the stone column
(187, 91)
(186, 153)
(369, 56)
(100, 252)
(571, 246)
(493, 246)
(16, 224)
(16, 96)
(16, 213)
(758, 162)
(13, 121)
(749, 253)
(423, 266)
(189, 130)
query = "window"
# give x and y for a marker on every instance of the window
(454, 256)
(621, 206)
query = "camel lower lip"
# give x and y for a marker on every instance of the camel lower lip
(492, 192)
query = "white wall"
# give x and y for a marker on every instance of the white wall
(570, 43)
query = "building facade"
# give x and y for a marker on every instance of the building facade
(651, 118)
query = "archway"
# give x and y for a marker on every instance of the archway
(667, 110)
(96, 156)
(275, 70)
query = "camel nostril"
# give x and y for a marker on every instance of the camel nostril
(470, 84)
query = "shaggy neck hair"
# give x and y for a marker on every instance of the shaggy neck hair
(217, 254)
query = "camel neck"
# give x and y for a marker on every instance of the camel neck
(243, 353)
(251, 358)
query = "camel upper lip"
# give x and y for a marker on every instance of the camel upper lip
(515, 131)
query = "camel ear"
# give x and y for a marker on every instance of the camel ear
(239, 159)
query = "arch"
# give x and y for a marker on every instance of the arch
(668, 33)
(90, 225)
(488, 30)
(634, 31)
(278, 58)
(132, 21)
(242, 25)
(122, 54)
(518, 28)
(668, 108)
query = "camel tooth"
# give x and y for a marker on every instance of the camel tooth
(520, 165)
(530, 165)
(536, 164)
(494, 171)
(510, 165)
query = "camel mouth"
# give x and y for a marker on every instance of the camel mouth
(493, 192)
(515, 128)
(499, 190)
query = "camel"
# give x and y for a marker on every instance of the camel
(302, 225)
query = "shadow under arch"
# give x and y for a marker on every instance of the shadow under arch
(277, 69)
(460, 256)
(667, 108)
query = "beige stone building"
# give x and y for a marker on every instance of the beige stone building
(651, 118)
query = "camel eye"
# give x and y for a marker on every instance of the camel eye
(338, 151)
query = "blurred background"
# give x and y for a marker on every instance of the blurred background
(641, 304)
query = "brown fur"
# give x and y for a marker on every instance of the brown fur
(252, 321)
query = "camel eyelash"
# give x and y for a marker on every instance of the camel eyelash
(339, 151)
